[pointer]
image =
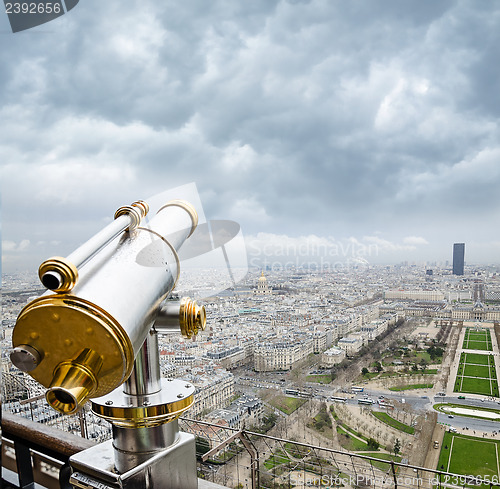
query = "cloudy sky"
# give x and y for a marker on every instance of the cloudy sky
(369, 123)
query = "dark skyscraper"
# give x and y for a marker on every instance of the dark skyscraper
(458, 258)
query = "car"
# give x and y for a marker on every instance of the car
(450, 416)
(461, 397)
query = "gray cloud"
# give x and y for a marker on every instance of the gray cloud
(294, 117)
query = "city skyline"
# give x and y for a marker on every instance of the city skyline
(369, 125)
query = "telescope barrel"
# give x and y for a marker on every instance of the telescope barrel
(81, 343)
(61, 274)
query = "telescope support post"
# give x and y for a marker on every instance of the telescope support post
(145, 377)
(147, 451)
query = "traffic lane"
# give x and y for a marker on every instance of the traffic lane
(483, 402)
(476, 425)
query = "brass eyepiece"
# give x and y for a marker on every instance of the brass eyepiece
(58, 274)
(74, 382)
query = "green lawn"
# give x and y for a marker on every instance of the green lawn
(279, 457)
(468, 455)
(382, 456)
(477, 371)
(478, 345)
(320, 379)
(477, 375)
(287, 404)
(385, 418)
(478, 335)
(296, 450)
(485, 387)
(351, 431)
(423, 355)
(411, 387)
(429, 371)
(475, 358)
(477, 340)
(350, 443)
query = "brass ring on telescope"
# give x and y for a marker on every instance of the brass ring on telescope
(188, 208)
(192, 317)
(143, 416)
(142, 205)
(176, 256)
(133, 212)
(136, 211)
(67, 271)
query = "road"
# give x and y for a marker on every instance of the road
(476, 425)
(418, 403)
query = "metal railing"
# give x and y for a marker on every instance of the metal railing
(245, 459)
(37, 453)
(239, 459)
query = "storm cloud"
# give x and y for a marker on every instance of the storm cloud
(346, 120)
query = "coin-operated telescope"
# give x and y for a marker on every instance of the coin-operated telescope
(93, 335)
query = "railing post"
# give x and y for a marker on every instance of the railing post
(393, 468)
(254, 458)
(353, 468)
(24, 465)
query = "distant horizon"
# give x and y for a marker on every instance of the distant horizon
(258, 269)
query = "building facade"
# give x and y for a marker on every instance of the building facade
(458, 258)
(280, 355)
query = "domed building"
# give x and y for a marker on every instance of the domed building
(262, 286)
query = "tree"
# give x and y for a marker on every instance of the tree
(397, 446)
(333, 372)
(373, 444)
(423, 364)
(435, 352)
(378, 367)
(364, 370)
(202, 445)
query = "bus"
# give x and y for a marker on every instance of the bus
(338, 399)
(365, 401)
(356, 388)
(297, 393)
